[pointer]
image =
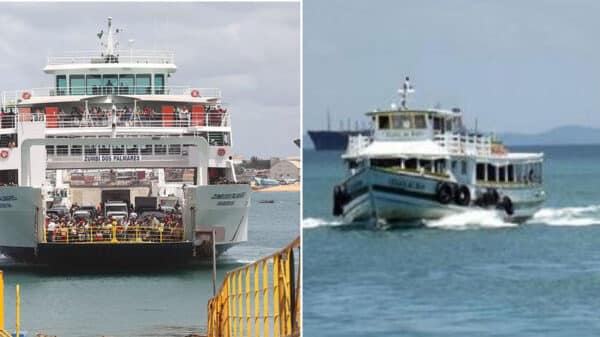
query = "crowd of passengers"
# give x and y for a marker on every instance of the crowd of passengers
(126, 116)
(149, 228)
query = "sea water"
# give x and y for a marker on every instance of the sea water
(471, 274)
(142, 303)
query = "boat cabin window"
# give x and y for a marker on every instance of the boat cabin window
(159, 84)
(420, 122)
(126, 84)
(61, 85)
(438, 124)
(401, 122)
(142, 85)
(77, 85)
(410, 164)
(94, 84)
(384, 122)
(110, 84)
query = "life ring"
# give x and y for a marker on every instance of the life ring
(195, 93)
(507, 205)
(221, 152)
(26, 95)
(463, 196)
(4, 154)
(444, 193)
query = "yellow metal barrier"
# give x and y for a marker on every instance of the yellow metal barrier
(273, 281)
(3, 332)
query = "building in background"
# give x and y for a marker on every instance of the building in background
(286, 169)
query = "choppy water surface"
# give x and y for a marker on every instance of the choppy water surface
(464, 275)
(149, 303)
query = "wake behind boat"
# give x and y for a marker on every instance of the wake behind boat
(424, 164)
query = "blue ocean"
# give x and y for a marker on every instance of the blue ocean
(466, 275)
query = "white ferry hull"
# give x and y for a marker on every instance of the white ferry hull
(223, 207)
(404, 200)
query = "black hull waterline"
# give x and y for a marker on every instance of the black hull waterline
(105, 254)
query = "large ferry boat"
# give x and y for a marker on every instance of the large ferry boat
(424, 164)
(113, 164)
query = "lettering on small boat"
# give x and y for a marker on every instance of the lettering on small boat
(411, 185)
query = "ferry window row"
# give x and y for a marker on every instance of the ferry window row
(402, 121)
(512, 173)
(108, 84)
(405, 121)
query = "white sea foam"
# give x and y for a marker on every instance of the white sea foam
(568, 216)
(309, 223)
(471, 220)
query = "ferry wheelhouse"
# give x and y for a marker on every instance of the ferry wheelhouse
(111, 129)
(424, 164)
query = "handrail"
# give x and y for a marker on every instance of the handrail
(236, 309)
(3, 331)
(114, 234)
(125, 56)
(113, 89)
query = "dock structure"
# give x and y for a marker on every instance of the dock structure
(260, 299)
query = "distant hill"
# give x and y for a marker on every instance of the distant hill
(565, 135)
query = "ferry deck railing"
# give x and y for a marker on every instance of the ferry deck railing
(220, 118)
(18, 96)
(125, 56)
(259, 299)
(357, 143)
(79, 234)
(471, 144)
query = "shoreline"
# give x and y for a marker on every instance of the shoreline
(295, 187)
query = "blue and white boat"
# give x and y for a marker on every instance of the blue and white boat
(423, 164)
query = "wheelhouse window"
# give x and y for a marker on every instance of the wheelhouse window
(142, 85)
(401, 122)
(77, 85)
(126, 84)
(61, 85)
(159, 84)
(109, 84)
(384, 122)
(94, 84)
(420, 122)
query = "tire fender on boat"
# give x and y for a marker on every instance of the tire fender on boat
(507, 205)
(463, 196)
(444, 193)
(337, 200)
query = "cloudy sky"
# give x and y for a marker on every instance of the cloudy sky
(523, 66)
(249, 50)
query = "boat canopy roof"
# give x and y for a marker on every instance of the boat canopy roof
(432, 112)
(403, 149)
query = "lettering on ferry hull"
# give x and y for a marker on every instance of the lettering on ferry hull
(109, 158)
(228, 195)
(406, 184)
(7, 198)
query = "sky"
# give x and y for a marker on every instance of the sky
(251, 51)
(515, 66)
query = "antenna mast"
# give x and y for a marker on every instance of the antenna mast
(328, 120)
(111, 45)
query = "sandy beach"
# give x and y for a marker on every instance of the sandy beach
(280, 188)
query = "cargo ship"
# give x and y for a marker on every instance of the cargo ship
(330, 140)
(114, 165)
